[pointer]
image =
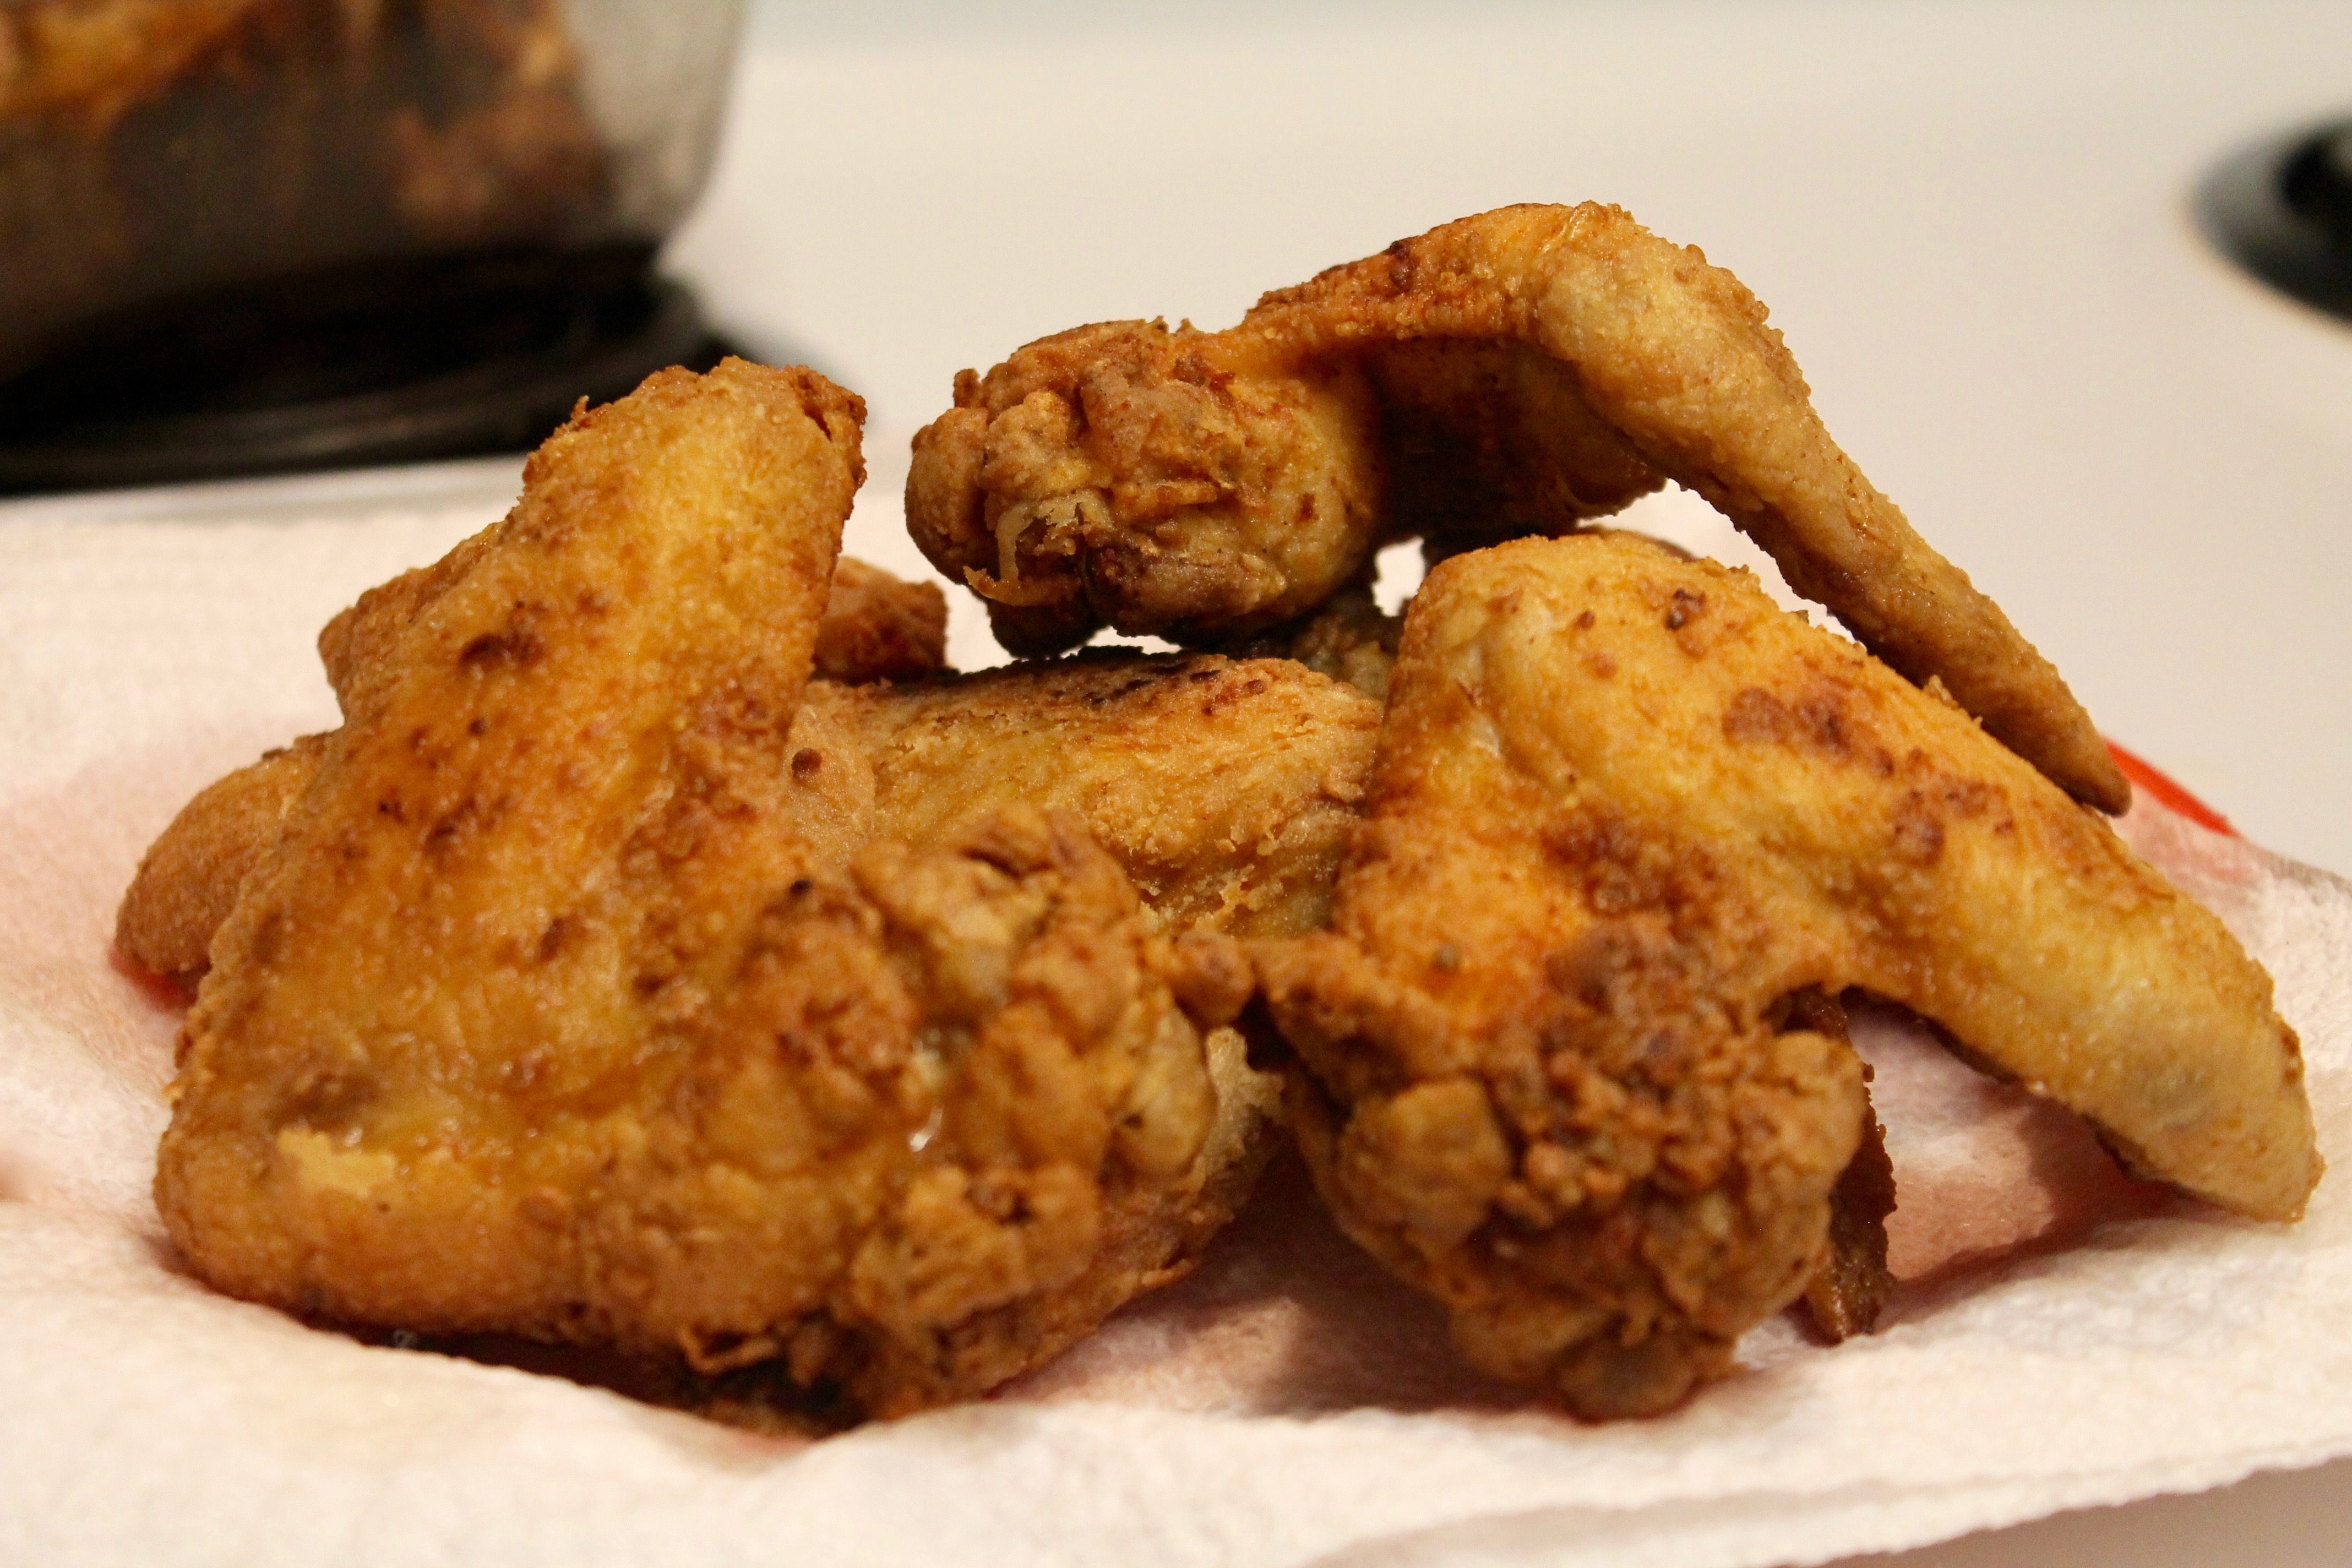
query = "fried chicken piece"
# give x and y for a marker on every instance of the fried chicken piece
(1225, 788)
(1038, 1136)
(1531, 367)
(1623, 810)
(529, 841)
(187, 881)
(538, 1019)
(879, 627)
(1853, 1284)
(876, 628)
(1197, 486)
(1604, 1197)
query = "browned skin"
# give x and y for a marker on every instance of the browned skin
(1048, 1134)
(876, 628)
(1853, 1284)
(1623, 810)
(1225, 788)
(1350, 638)
(540, 1019)
(1193, 485)
(1532, 368)
(187, 881)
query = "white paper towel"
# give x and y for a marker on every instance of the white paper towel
(2065, 1336)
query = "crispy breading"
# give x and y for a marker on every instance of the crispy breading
(879, 627)
(1197, 486)
(540, 1019)
(187, 881)
(1226, 788)
(876, 628)
(1853, 1284)
(1624, 809)
(1040, 1135)
(1532, 368)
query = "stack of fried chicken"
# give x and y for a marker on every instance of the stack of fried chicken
(667, 955)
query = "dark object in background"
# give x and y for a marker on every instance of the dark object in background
(377, 362)
(244, 236)
(2282, 210)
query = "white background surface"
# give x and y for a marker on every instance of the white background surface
(1972, 221)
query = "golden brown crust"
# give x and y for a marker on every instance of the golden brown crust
(1186, 484)
(1225, 788)
(1604, 1203)
(541, 1020)
(876, 627)
(1058, 1161)
(879, 627)
(1624, 808)
(187, 881)
(1531, 368)
(514, 798)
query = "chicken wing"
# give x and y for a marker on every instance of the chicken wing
(1517, 372)
(876, 628)
(187, 881)
(1197, 486)
(1225, 788)
(1624, 810)
(537, 1017)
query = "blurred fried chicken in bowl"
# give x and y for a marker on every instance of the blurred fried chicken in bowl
(538, 1016)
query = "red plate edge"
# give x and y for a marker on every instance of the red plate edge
(2168, 793)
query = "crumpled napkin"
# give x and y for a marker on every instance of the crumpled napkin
(2063, 1336)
